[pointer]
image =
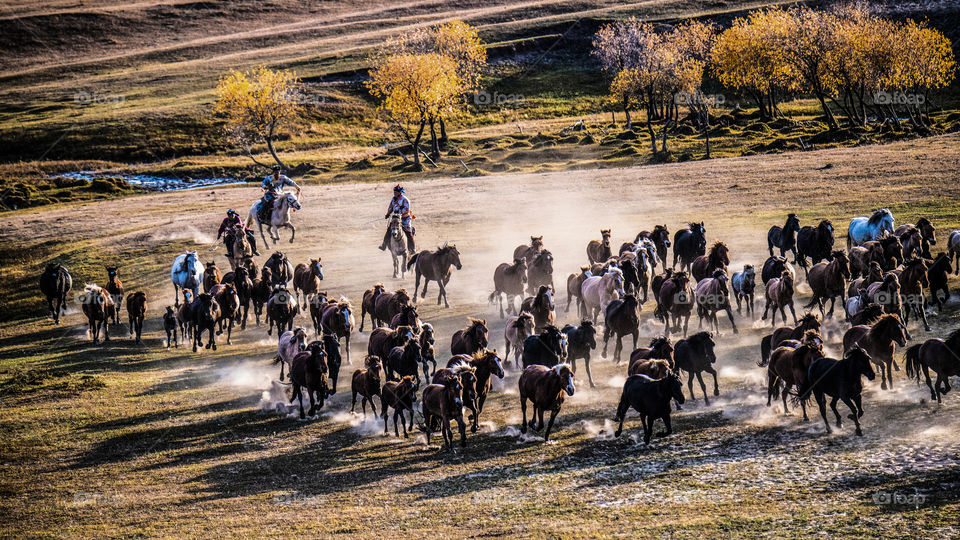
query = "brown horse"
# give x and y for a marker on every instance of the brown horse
(366, 382)
(517, 329)
(574, 284)
(468, 384)
(185, 317)
(706, 265)
(281, 271)
(400, 395)
(229, 302)
(509, 280)
(170, 327)
(242, 249)
(828, 281)
(485, 364)
(779, 294)
(938, 275)
(541, 306)
(204, 313)
(880, 341)
(598, 251)
(788, 367)
(621, 318)
(471, 339)
(337, 320)
(660, 237)
(874, 274)
(260, 293)
(98, 307)
(435, 266)
(660, 347)
(675, 300)
(783, 333)
(545, 388)
(136, 311)
(307, 278)
(528, 252)
(862, 257)
(309, 370)
(441, 404)
(656, 368)
(386, 305)
(211, 276)
(282, 308)
(913, 279)
(942, 356)
(383, 340)
(115, 288)
(408, 316)
(540, 271)
(887, 294)
(712, 296)
(369, 303)
(55, 283)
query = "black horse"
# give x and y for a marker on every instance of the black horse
(631, 279)
(784, 237)
(695, 355)
(651, 398)
(839, 379)
(688, 244)
(580, 341)
(937, 276)
(331, 346)
(55, 283)
(773, 267)
(404, 361)
(814, 242)
(549, 348)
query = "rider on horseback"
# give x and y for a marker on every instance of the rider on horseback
(400, 205)
(272, 185)
(233, 220)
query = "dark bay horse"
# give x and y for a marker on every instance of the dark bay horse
(530, 251)
(814, 242)
(545, 388)
(942, 356)
(337, 320)
(779, 294)
(705, 265)
(541, 306)
(368, 305)
(784, 237)
(660, 237)
(442, 403)
(689, 244)
(281, 270)
(55, 283)
(676, 301)
(598, 251)
(435, 266)
(788, 367)
(540, 271)
(879, 341)
(136, 312)
(937, 276)
(516, 330)
(486, 364)
(828, 281)
(366, 383)
(574, 286)
(388, 305)
(651, 398)
(382, 340)
(713, 295)
(621, 318)
(783, 333)
(912, 281)
(307, 278)
(839, 379)
(308, 370)
(400, 395)
(115, 288)
(696, 355)
(205, 312)
(548, 348)
(282, 308)
(471, 339)
(659, 347)
(509, 280)
(408, 316)
(580, 341)
(772, 268)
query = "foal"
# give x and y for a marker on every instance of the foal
(366, 382)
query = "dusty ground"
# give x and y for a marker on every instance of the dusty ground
(126, 440)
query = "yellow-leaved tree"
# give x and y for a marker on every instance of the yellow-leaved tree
(257, 105)
(413, 89)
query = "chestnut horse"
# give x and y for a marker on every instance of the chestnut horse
(880, 341)
(942, 356)
(443, 403)
(471, 339)
(366, 382)
(211, 276)
(545, 388)
(98, 307)
(435, 266)
(828, 281)
(779, 294)
(307, 278)
(509, 280)
(528, 252)
(369, 303)
(598, 251)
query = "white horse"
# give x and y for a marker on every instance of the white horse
(186, 273)
(291, 342)
(864, 229)
(598, 291)
(285, 203)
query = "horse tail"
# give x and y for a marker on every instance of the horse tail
(765, 346)
(493, 296)
(913, 362)
(813, 302)
(250, 219)
(849, 240)
(622, 406)
(413, 260)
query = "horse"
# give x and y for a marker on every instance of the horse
(541, 307)
(839, 379)
(913, 279)
(185, 316)
(545, 388)
(170, 326)
(387, 305)
(408, 316)
(789, 365)
(779, 294)
(471, 339)
(517, 329)
(659, 347)
(136, 311)
(368, 305)
(366, 382)
(427, 341)
(226, 297)
(98, 307)
(911, 241)
(598, 291)
(655, 368)
(443, 403)
(435, 266)
(399, 395)
(244, 286)
(290, 343)
(712, 295)
(868, 314)
(309, 370)
(696, 355)
(892, 252)
(237, 238)
(880, 341)
(784, 237)
(307, 278)
(211, 276)
(676, 300)
(689, 244)
(283, 206)
(656, 283)
(548, 348)
(337, 320)
(814, 242)
(580, 341)
(651, 398)
(774, 267)
(874, 273)
(282, 308)
(334, 360)
(528, 252)
(636, 274)
(621, 317)
(827, 281)
(863, 229)
(540, 271)
(887, 294)
(404, 361)
(704, 266)
(204, 311)
(928, 235)
(574, 286)
(510, 280)
(744, 284)
(485, 364)
(942, 356)
(937, 276)
(260, 293)
(281, 270)
(784, 333)
(397, 247)
(862, 258)
(115, 288)
(660, 237)
(55, 284)
(599, 251)
(382, 340)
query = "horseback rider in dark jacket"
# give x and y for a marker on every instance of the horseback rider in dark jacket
(233, 220)
(272, 185)
(399, 204)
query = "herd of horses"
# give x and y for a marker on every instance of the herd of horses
(881, 279)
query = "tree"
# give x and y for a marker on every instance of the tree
(257, 105)
(925, 61)
(809, 40)
(618, 46)
(413, 89)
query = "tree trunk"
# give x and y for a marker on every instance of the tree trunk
(434, 146)
(443, 132)
(273, 151)
(416, 144)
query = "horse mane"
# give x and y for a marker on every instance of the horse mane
(879, 215)
(551, 329)
(521, 319)
(659, 341)
(886, 241)
(719, 273)
(884, 323)
(370, 361)
(809, 318)
(910, 263)
(460, 368)
(559, 368)
(700, 337)
(446, 248)
(717, 246)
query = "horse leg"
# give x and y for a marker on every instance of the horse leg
(523, 411)
(266, 244)
(803, 406)
(443, 294)
(771, 385)
(426, 283)
(732, 322)
(783, 394)
(606, 340)
(463, 432)
(586, 363)
(855, 416)
(836, 413)
(668, 429)
(540, 412)
(686, 323)
(923, 314)
(619, 348)
(293, 231)
(716, 388)
(822, 405)
(766, 306)
(792, 312)
(553, 415)
(703, 388)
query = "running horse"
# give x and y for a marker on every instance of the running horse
(186, 274)
(284, 205)
(862, 229)
(398, 247)
(689, 244)
(435, 266)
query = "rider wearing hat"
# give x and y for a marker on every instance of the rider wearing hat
(273, 184)
(400, 205)
(233, 220)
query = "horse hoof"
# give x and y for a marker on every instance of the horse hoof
(859, 433)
